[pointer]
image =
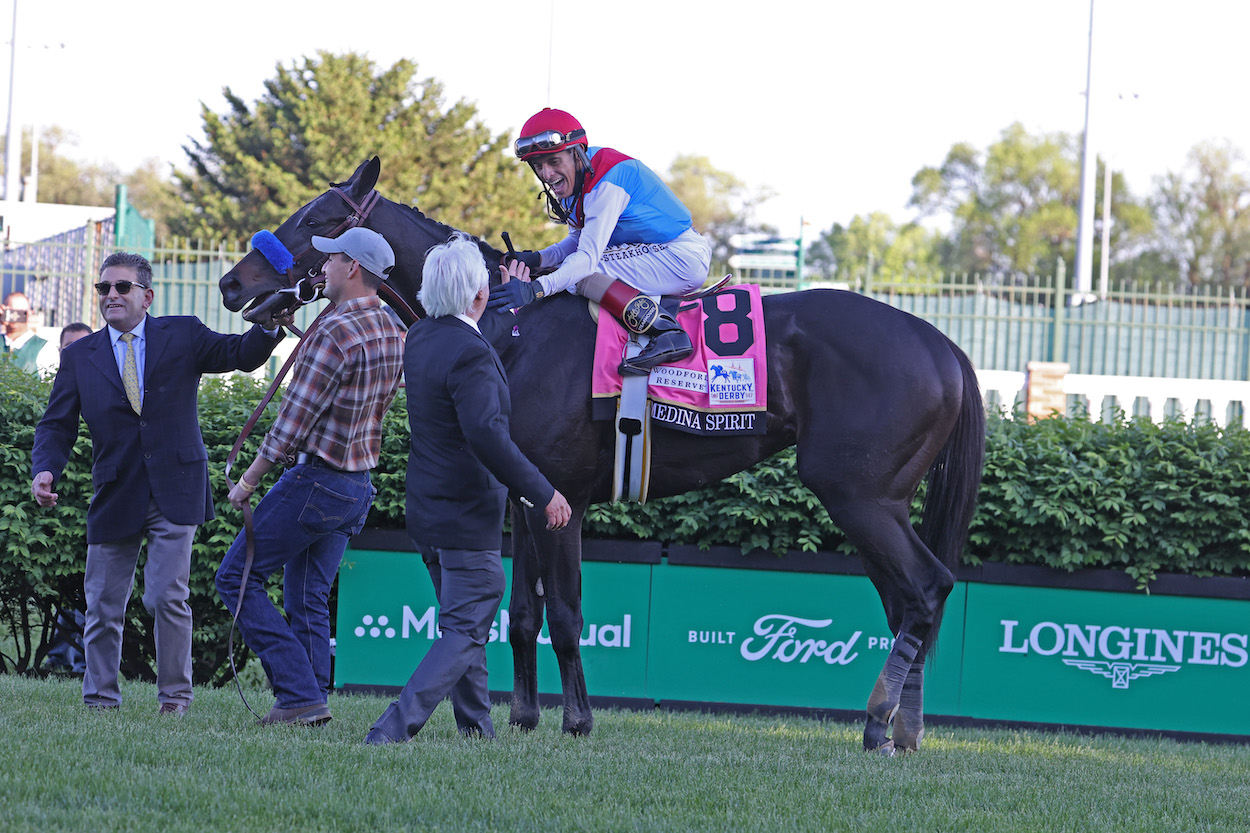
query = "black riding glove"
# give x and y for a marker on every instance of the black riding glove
(513, 294)
(534, 260)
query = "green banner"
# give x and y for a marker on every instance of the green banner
(1105, 659)
(387, 620)
(777, 638)
(780, 639)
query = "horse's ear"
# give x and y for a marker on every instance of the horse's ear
(367, 177)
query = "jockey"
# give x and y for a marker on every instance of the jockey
(629, 237)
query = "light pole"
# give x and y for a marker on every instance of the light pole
(12, 140)
(1083, 285)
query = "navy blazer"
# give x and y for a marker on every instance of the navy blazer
(157, 454)
(462, 461)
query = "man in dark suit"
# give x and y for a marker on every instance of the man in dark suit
(461, 464)
(136, 383)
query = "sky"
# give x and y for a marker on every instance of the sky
(832, 105)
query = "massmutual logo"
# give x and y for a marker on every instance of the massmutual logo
(424, 625)
(785, 638)
(1123, 654)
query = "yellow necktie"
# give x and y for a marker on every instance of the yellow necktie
(130, 373)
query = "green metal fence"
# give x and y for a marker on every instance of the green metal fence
(1133, 330)
(1002, 322)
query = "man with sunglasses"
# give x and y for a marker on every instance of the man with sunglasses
(629, 237)
(136, 383)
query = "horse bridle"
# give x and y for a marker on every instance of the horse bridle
(307, 287)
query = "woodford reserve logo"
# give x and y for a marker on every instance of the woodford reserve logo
(1122, 654)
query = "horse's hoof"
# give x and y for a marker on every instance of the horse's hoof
(523, 718)
(886, 749)
(875, 735)
(578, 726)
(907, 741)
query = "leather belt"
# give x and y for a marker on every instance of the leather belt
(307, 458)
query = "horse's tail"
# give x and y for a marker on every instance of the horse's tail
(955, 476)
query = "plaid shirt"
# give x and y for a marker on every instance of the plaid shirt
(343, 383)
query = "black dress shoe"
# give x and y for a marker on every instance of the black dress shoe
(377, 737)
(174, 709)
(102, 707)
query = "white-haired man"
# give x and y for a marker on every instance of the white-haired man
(461, 464)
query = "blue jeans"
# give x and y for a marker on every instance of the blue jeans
(301, 526)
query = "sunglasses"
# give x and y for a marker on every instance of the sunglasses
(548, 140)
(123, 287)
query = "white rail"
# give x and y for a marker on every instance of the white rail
(1211, 398)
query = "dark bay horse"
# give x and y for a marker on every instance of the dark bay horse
(874, 398)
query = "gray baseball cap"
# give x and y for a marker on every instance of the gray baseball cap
(364, 245)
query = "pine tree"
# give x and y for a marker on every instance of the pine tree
(322, 116)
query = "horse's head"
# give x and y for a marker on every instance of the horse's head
(255, 281)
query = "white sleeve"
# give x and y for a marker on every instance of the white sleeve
(603, 207)
(49, 358)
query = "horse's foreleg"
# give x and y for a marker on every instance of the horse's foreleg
(564, 621)
(883, 703)
(525, 613)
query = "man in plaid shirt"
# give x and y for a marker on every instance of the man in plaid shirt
(328, 433)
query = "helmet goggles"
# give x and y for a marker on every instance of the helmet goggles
(546, 141)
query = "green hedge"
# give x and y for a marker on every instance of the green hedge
(1126, 495)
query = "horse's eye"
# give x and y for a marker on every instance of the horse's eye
(311, 223)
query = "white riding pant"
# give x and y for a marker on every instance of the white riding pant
(677, 267)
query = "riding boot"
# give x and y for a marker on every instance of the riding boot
(643, 316)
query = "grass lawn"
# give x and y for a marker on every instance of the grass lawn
(64, 768)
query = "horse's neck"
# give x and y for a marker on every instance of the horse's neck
(411, 234)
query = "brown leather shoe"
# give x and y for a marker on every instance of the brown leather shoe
(314, 715)
(174, 709)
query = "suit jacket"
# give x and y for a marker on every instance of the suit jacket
(462, 460)
(158, 453)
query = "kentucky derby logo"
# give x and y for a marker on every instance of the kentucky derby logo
(731, 382)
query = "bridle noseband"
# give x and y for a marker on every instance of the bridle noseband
(306, 287)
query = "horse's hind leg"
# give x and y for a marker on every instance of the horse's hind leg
(913, 586)
(908, 717)
(525, 613)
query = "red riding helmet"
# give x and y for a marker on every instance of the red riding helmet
(549, 131)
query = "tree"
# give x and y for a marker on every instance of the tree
(1015, 207)
(322, 116)
(1203, 215)
(875, 244)
(720, 204)
(61, 179)
(152, 192)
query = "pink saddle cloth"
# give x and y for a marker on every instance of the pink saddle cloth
(722, 388)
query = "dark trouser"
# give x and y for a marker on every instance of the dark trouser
(469, 585)
(301, 527)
